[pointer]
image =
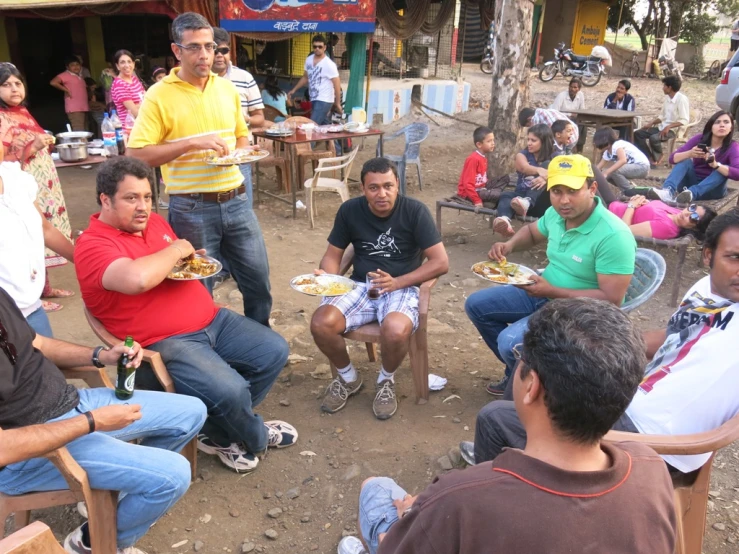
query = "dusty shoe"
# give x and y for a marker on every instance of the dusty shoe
(351, 545)
(385, 404)
(232, 456)
(281, 434)
(467, 451)
(520, 205)
(502, 226)
(338, 392)
(665, 195)
(684, 197)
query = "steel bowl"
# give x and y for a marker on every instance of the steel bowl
(72, 151)
(74, 136)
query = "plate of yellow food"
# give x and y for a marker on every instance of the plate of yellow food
(503, 273)
(237, 157)
(322, 285)
(197, 267)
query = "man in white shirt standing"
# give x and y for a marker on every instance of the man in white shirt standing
(572, 99)
(675, 113)
(324, 87)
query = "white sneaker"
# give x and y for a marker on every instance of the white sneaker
(74, 545)
(661, 194)
(163, 205)
(232, 456)
(281, 434)
(684, 197)
(351, 545)
(520, 205)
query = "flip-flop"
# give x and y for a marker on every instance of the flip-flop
(50, 306)
(59, 293)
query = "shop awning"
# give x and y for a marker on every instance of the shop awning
(35, 4)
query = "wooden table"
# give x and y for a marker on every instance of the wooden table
(91, 160)
(602, 117)
(299, 138)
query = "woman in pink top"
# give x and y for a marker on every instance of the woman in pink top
(127, 91)
(655, 219)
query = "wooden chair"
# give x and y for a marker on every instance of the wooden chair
(681, 137)
(418, 348)
(101, 505)
(272, 113)
(282, 170)
(36, 538)
(691, 489)
(328, 184)
(154, 359)
(305, 153)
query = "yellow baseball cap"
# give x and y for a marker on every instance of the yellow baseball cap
(570, 171)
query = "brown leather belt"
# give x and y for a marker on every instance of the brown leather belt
(219, 197)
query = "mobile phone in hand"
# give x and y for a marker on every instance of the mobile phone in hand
(703, 147)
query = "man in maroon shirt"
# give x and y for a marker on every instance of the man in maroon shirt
(579, 365)
(227, 360)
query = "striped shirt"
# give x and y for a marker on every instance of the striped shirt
(550, 116)
(251, 98)
(174, 110)
(121, 91)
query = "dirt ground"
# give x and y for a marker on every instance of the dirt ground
(225, 512)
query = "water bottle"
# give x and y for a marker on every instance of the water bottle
(128, 125)
(111, 148)
(118, 126)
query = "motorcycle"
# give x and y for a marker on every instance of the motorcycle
(588, 68)
(486, 65)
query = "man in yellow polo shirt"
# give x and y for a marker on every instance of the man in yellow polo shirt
(183, 119)
(591, 254)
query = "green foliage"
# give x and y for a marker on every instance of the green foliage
(698, 28)
(697, 64)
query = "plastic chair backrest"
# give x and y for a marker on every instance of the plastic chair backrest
(415, 133)
(649, 272)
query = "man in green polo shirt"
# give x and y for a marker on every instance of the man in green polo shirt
(590, 250)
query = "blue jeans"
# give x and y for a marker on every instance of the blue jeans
(320, 112)
(376, 511)
(151, 476)
(230, 365)
(246, 173)
(39, 322)
(230, 232)
(683, 177)
(501, 315)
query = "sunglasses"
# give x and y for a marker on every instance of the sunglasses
(694, 216)
(8, 347)
(223, 50)
(318, 47)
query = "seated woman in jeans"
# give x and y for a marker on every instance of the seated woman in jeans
(531, 166)
(703, 164)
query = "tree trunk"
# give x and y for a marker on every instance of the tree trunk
(510, 93)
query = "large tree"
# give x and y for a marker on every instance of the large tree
(511, 49)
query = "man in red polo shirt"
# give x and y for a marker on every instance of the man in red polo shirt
(122, 262)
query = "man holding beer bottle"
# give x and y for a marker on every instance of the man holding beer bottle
(391, 235)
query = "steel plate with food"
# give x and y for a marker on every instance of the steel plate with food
(237, 157)
(322, 285)
(503, 273)
(197, 267)
(278, 132)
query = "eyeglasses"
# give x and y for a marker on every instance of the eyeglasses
(694, 216)
(8, 347)
(223, 50)
(318, 47)
(517, 350)
(209, 47)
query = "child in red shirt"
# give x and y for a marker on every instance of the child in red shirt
(475, 171)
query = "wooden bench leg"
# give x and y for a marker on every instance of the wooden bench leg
(102, 509)
(190, 452)
(371, 351)
(418, 353)
(681, 252)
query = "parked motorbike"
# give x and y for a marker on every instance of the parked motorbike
(669, 67)
(588, 68)
(486, 65)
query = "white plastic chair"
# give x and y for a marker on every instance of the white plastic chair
(329, 184)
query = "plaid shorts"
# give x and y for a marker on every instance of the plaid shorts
(358, 309)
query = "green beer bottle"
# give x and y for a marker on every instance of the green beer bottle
(126, 375)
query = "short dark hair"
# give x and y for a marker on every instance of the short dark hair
(220, 35)
(378, 165)
(560, 125)
(8, 70)
(626, 83)
(673, 82)
(576, 80)
(717, 227)
(118, 55)
(479, 134)
(113, 171)
(524, 116)
(589, 359)
(188, 21)
(70, 59)
(604, 137)
(318, 38)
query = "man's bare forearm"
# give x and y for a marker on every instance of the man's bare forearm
(160, 154)
(33, 441)
(427, 271)
(62, 354)
(523, 239)
(56, 241)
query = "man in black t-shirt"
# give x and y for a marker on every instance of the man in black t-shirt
(40, 412)
(391, 235)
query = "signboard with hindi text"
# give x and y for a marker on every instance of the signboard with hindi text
(298, 16)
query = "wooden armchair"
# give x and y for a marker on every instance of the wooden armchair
(154, 359)
(418, 348)
(36, 538)
(101, 505)
(272, 113)
(305, 153)
(691, 490)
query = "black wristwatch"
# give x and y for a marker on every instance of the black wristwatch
(96, 357)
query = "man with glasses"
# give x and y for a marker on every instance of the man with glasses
(188, 116)
(580, 362)
(40, 412)
(324, 87)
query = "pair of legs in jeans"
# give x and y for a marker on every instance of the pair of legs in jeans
(151, 476)
(230, 232)
(683, 177)
(230, 365)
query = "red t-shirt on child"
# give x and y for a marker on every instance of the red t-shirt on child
(473, 178)
(171, 308)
